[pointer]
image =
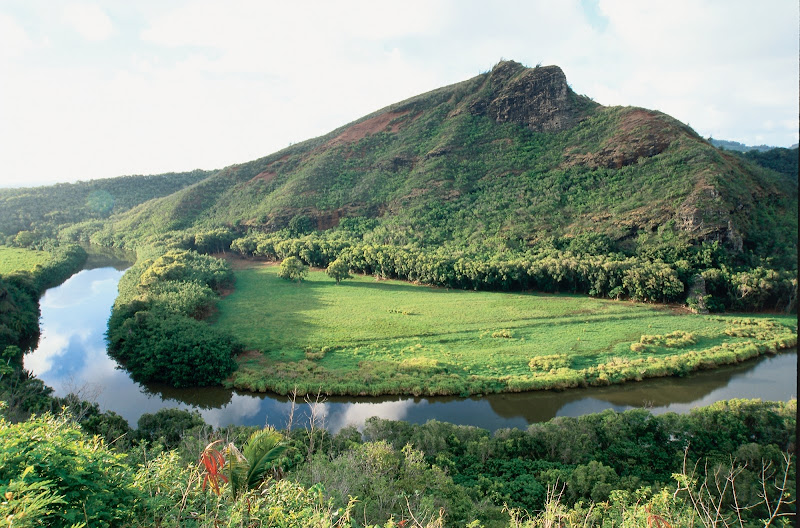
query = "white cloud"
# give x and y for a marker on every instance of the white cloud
(358, 413)
(51, 347)
(89, 20)
(205, 84)
(14, 40)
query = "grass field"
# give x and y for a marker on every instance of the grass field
(389, 337)
(13, 259)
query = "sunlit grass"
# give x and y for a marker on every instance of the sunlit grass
(15, 259)
(368, 336)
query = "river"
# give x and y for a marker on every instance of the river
(72, 358)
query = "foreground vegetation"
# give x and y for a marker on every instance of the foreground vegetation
(728, 464)
(368, 337)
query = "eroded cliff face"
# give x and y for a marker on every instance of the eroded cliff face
(538, 98)
(640, 133)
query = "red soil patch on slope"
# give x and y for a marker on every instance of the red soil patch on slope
(373, 125)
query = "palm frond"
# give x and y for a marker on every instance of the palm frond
(262, 450)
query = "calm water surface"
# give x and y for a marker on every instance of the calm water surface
(72, 358)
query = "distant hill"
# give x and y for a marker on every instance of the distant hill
(781, 160)
(738, 147)
(45, 208)
(507, 159)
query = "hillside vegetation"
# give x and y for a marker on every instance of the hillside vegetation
(501, 162)
(29, 215)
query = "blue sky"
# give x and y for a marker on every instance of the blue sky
(92, 89)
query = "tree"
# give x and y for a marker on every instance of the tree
(300, 225)
(292, 268)
(338, 270)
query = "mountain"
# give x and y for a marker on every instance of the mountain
(506, 160)
(738, 147)
(43, 209)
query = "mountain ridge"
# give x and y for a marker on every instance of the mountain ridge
(507, 159)
(417, 165)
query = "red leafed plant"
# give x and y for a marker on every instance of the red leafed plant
(212, 461)
(656, 520)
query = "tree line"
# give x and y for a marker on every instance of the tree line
(546, 269)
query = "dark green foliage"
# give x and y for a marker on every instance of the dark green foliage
(597, 453)
(300, 225)
(59, 476)
(213, 240)
(19, 316)
(781, 160)
(167, 426)
(24, 395)
(155, 345)
(152, 329)
(108, 425)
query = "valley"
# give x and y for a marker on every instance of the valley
(373, 337)
(502, 252)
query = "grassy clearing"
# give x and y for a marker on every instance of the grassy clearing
(14, 259)
(390, 337)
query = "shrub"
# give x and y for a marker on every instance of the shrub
(156, 345)
(292, 268)
(80, 479)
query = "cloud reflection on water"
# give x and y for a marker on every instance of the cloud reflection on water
(72, 357)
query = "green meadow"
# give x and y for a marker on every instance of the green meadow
(368, 337)
(15, 259)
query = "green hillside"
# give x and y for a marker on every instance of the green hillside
(41, 211)
(506, 160)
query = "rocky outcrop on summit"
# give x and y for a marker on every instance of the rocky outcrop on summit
(538, 98)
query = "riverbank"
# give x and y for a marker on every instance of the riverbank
(367, 338)
(72, 358)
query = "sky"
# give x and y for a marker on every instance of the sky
(99, 88)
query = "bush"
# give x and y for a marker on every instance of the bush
(167, 426)
(338, 270)
(156, 345)
(292, 268)
(79, 479)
